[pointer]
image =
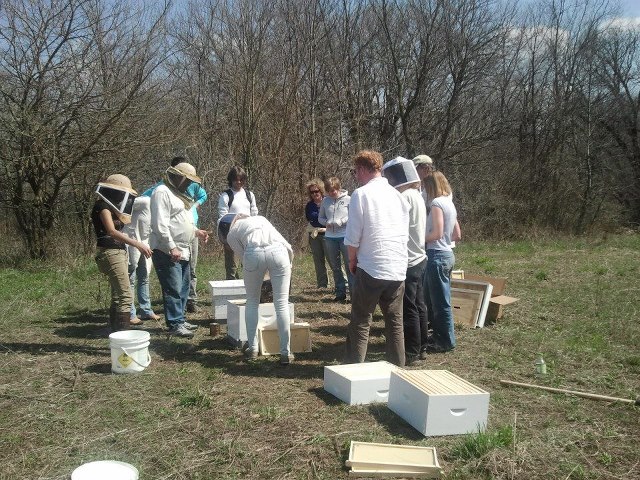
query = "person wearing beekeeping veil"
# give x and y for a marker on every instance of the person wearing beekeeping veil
(110, 213)
(172, 233)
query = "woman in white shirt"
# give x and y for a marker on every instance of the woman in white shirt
(262, 249)
(442, 230)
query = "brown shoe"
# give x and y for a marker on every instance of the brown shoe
(151, 316)
(135, 321)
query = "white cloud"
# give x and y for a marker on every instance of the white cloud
(622, 23)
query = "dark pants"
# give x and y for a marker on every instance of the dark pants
(367, 293)
(415, 311)
(231, 267)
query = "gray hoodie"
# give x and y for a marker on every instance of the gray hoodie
(336, 213)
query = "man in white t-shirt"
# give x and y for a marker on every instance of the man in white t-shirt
(235, 200)
(377, 235)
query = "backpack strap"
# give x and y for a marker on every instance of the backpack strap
(229, 193)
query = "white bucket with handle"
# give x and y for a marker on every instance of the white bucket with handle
(129, 351)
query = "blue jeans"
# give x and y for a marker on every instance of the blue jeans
(333, 248)
(139, 270)
(438, 296)
(174, 280)
(256, 262)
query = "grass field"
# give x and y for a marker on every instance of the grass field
(200, 412)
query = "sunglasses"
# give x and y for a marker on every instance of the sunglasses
(313, 192)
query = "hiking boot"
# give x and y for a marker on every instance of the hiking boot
(135, 321)
(190, 326)
(180, 331)
(192, 307)
(286, 359)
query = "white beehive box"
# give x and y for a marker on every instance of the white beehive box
(223, 290)
(437, 402)
(299, 339)
(359, 383)
(236, 325)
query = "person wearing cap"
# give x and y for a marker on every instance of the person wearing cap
(199, 196)
(262, 250)
(110, 213)
(377, 234)
(235, 200)
(315, 230)
(401, 174)
(172, 233)
(442, 230)
(334, 214)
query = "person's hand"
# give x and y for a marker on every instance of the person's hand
(203, 235)
(176, 254)
(144, 249)
(353, 265)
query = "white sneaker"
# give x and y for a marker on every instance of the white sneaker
(180, 331)
(190, 326)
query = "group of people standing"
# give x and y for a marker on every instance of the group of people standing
(161, 227)
(399, 229)
(393, 236)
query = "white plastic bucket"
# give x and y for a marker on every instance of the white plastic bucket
(105, 470)
(129, 351)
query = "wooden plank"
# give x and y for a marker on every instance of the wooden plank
(498, 283)
(382, 456)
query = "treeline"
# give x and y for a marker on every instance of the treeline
(532, 112)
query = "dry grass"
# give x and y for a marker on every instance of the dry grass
(200, 412)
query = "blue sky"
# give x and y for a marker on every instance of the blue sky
(631, 7)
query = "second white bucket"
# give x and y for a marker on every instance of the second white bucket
(129, 351)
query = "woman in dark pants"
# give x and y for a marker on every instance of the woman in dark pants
(315, 231)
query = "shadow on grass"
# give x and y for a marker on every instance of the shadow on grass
(392, 422)
(325, 396)
(47, 348)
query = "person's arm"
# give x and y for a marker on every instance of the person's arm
(437, 225)
(199, 194)
(322, 214)
(110, 229)
(252, 203)
(456, 236)
(160, 217)
(353, 259)
(223, 205)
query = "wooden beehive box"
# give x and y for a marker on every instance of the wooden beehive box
(359, 383)
(385, 460)
(236, 324)
(299, 339)
(437, 402)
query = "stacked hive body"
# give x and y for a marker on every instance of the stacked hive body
(221, 292)
(236, 312)
(437, 402)
(359, 383)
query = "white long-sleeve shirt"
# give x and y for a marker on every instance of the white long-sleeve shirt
(240, 204)
(378, 227)
(171, 224)
(254, 232)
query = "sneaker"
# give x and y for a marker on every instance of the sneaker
(191, 306)
(286, 359)
(180, 331)
(250, 354)
(423, 354)
(340, 298)
(190, 326)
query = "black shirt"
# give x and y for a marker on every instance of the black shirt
(104, 240)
